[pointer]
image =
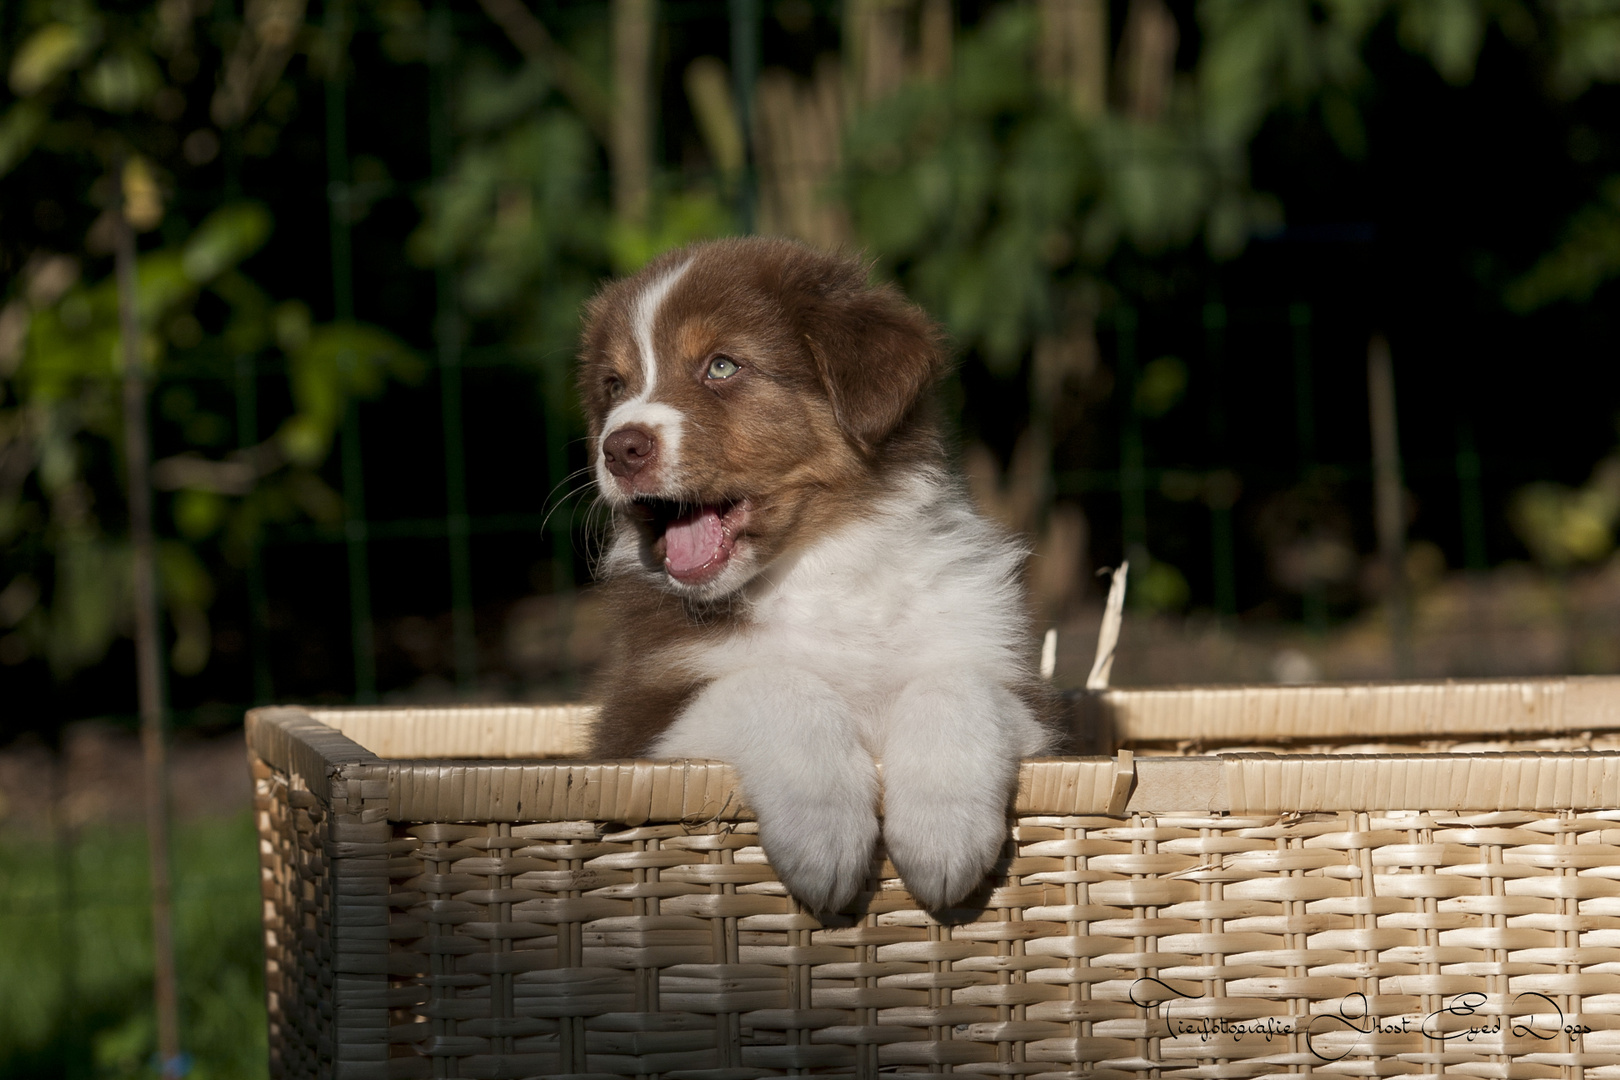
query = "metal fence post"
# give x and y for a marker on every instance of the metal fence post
(1389, 498)
(1299, 319)
(1471, 498)
(447, 330)
(560, 525)
(745, 48)
(247, 435)
(1471, 507)
(1132, 471)
(1221, 540)
(354, 505)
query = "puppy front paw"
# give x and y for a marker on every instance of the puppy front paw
(820, 850)
(950, 765)
(943, 848)
(803, 769)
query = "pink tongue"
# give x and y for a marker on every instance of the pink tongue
(693, 542)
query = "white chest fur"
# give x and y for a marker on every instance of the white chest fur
(923, 585)
(897, 639)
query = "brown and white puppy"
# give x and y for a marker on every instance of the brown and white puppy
(796, 584)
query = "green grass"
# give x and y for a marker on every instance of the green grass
(76, 953)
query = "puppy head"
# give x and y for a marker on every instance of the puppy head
(742, 396)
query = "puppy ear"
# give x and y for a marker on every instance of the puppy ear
(876, 354)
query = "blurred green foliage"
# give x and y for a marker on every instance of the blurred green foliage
(1000, 205)
(1587, 256)
(517, 213)
(1567, 526)
(76, 972)
(1161, 386)
(1000, 202)
(996, 198)
(521, 213)
(1005, 209)
(88, 85)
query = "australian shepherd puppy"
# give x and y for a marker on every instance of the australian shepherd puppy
(797, 586)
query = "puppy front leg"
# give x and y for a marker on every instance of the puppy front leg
(951, 749)
(803, 770)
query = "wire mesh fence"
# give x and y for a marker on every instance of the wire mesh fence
(1219, 431)
(481, 488)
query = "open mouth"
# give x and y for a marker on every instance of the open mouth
(695, 541)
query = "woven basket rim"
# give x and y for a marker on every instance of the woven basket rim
(523, 762)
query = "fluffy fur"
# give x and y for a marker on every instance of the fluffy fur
(797, 585)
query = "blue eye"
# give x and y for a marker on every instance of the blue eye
(722, 367)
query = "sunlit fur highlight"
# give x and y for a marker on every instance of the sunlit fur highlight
(866, 614)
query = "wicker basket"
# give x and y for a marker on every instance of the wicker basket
(441, 902)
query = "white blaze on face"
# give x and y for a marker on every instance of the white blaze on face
(663, 422)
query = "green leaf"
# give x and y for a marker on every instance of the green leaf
(249, 327)
(1449, 32)
(49, 52)
(60, 354)
(993, 73)
(186, 580)
(676, 220)
(90, 595)
(225, 237)
(305, 439)
(1161, 386)
(1588, 47)
(1159, 186)
(188, 590)
(123, 80)
(161, 283)
(1343, 122)
(1562, 527)
(19, 128)
(338, 362)
(489, 99)
(1586, 257)
(197, 514)
(1160, 587)
(1253, 55)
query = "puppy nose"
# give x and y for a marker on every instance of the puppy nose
(628, 450)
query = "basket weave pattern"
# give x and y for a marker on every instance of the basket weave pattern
(1228, 916)
(296, 879)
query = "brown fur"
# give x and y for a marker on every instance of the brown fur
(832, 398)
(640, 690)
